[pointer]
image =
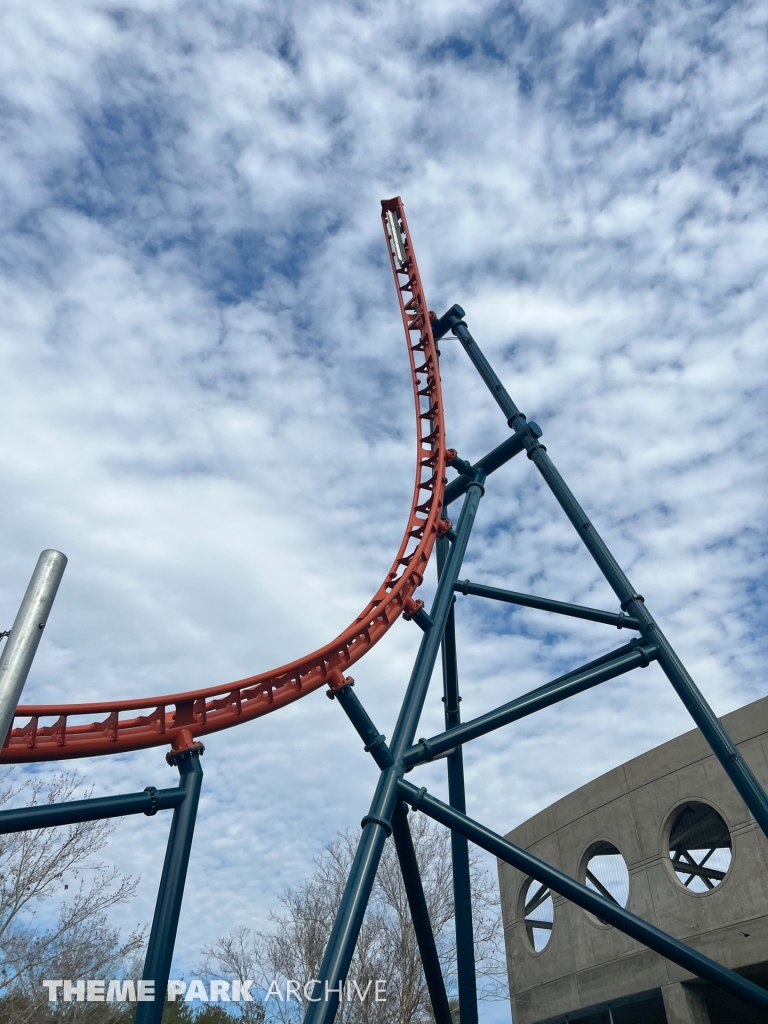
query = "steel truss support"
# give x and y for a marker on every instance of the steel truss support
(462, 887)
(149, 802)
(488, 464)
(162, 937)
(433, 974)
(723, 747)
(606, 910)
(386, 816)
(602, 669)
(377, 824)
(577, 611)
(183, 800)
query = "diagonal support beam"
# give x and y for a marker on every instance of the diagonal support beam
(165, 923)
(375, 742)
(627, 922)
(408, 719)
(462, 884)
(722, 745)
(377, 823)
(433, 973)
(528, 704)
(618, 619)
(515, 419)
(734, 765)
(377, 826)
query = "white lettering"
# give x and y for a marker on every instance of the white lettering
(146, 992)
(78, 990)
(312, 982)
(292, 988)
(176, 988)
(128, 990)
(53, 988)
(273, 990)
(95, 990)
(121, 992)
(219, 991)
(241, 990)
(196, 990)
(361, 995)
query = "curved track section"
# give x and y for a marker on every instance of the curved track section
(53, 732)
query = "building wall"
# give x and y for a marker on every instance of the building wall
(587, 963)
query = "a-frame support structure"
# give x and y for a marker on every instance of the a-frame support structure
(394, 794)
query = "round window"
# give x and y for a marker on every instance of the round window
(699, 847)
(538, 912)
(605, 871)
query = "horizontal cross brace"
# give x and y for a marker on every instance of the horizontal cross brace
(618, 619)
(651, 936)
(489, 463)
(529, 703)
(148, 802)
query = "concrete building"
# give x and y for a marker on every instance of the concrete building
(666, 835)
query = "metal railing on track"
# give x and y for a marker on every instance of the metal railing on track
(45, 732)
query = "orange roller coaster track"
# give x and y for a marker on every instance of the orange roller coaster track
(52, 732)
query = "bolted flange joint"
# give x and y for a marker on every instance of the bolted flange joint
(375, 744)
(177, 757)
(152, 801)
(370, 820)
(337, 681)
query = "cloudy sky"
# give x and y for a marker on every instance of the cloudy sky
(205, 394)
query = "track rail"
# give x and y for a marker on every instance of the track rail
(54, 732)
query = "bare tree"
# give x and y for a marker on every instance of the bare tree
(387, 949)
(42, 865)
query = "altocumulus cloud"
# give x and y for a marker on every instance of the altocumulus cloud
(205, 395)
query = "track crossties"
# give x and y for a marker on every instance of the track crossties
(45, 732)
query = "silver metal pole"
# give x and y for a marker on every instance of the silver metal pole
(21, 645)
